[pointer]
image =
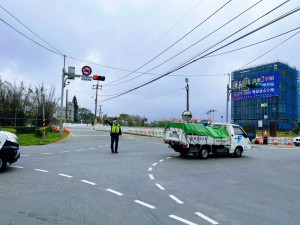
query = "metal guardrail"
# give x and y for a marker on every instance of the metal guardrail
(151, 132)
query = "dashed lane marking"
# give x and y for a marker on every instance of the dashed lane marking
(168, 157)
(64, 151)
(115, 192)
(100, 147)
(88, 182)
(176, 199)
(154, 164)
(150, 169)
(79, 150)
(91, 148)
(161, 160)
(47, 153)
(106, 145)
(182, 220)
(25, 155)
(44, 171)
(151, 176)
(19, 167)
(65, 175)
(145, 204)
(206, 218)
(159, 186)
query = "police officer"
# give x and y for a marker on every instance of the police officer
(114, 133)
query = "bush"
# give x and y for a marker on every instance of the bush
(39, 132)
(49, 129)
(296, 130)
(9, 129)
(25, 130)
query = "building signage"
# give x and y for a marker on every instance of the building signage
(270, 88)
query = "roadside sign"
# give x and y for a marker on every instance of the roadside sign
(260, 123)
(86, 78)
(86, 70)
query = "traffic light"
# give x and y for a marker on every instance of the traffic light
(255, 85)
(96, 77)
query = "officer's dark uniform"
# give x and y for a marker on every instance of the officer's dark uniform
(114, 133)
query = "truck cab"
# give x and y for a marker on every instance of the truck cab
(9, 149)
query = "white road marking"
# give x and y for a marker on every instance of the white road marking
(45, 171)
(159, 186)
(19, 167)
(176, 199)
(182, 220)
(47, 153)
(151, 176)
(150, 169)
(88, 182)
(168, 157)
(65, 175)
(115, 192)
(145, 204)
(154, 164)
(64, 151)
(91, 148)
(206, 218)
(161, 160)
(106, 145)
(25, 155)
(100, 147)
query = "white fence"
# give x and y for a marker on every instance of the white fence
(280, 140)
(76, 125)
(151, 132)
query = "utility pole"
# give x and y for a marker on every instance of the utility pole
(100, 113)
(187, 94)
(227, 101)
(66, 119)
(44, 120)
(97, 86)
(62, 97)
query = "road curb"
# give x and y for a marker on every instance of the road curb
(59, 141)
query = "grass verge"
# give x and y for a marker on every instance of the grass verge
(31, 139)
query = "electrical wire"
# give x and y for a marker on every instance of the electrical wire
(277, 7)
(200, 57)
(30, 30)
(269, 50)
(168, 31)
(165, 50)
(225, 24)
(30, 38)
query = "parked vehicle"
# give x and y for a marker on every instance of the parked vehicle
(200, 140)
(297, 141)
(9, 149)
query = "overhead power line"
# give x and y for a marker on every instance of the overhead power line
(168, 31)
(196, 59)
(30, 30)
(206, 36)
(269, 51)
(165, 50)
(30, 38)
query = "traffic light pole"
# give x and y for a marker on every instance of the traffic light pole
(62, 97)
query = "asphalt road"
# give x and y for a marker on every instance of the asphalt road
(79, 181)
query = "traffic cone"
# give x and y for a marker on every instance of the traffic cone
(288, 143)
(275, 142)
(265, 134)
(261, 141)
(256, 140)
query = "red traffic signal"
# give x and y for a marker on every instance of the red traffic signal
(96, 77)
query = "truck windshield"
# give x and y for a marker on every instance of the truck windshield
(238, 131)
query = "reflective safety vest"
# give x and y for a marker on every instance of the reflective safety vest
(115, 128)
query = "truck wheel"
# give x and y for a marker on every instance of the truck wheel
(2, 163)
(203, 153)
(238, 152)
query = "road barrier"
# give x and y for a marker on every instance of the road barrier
(151, 132)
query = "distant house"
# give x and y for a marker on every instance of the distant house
(70, 113)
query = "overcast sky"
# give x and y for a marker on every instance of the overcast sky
(128, 33)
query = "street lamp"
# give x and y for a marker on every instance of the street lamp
(187, 115)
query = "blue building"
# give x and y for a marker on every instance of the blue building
(277, 101)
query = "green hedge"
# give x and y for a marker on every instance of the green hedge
(9, 129)
(39, 132)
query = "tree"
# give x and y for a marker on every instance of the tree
(76, 107)
(130, 121)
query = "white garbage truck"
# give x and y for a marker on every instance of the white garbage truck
(9, 149)
(200, 140)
